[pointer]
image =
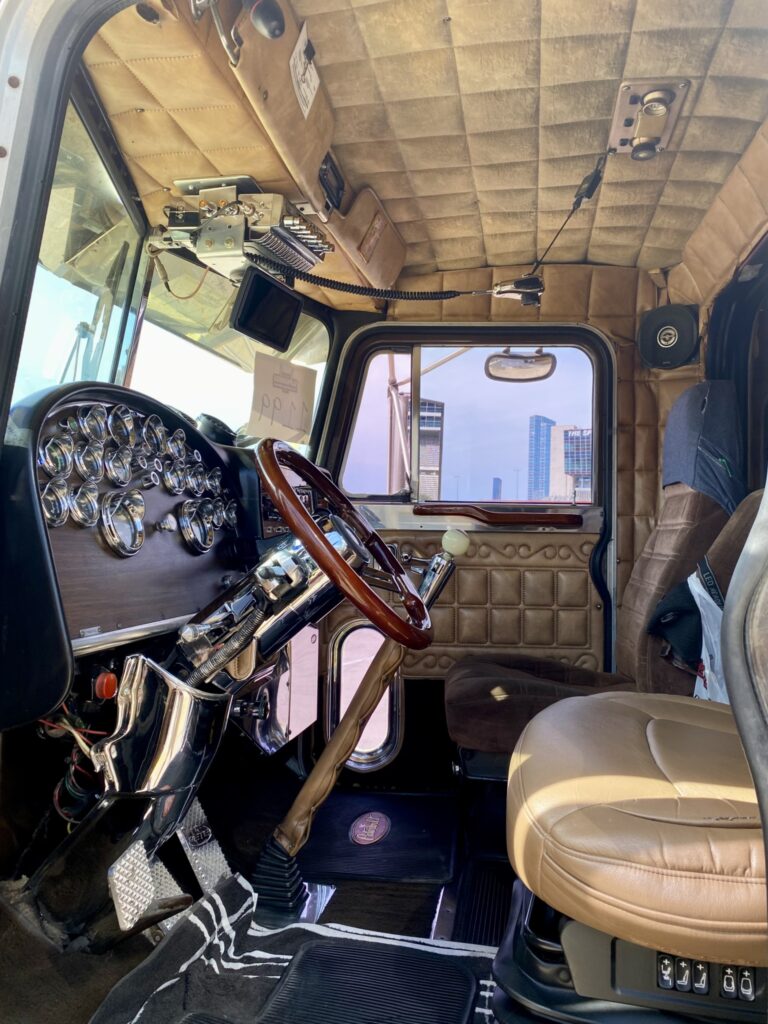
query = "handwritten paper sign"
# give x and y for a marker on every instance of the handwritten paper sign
(283, 397)
(306, 80)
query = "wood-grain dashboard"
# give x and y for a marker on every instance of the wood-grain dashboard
(104, 592)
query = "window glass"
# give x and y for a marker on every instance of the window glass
(479, 439)
(85, 265)
(187, 355)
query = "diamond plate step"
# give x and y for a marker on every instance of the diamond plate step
(202, 848)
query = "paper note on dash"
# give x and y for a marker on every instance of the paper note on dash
(283, 397)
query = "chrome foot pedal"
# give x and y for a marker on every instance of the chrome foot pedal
(143, 892)
(205, 856)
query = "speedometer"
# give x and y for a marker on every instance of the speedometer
(122, 425)
(56, 453)
(122, 521)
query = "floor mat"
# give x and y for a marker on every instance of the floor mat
(343, 982)
(483, 901)
(382, 837)
(217, 966)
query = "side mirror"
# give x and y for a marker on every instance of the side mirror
(520, 366)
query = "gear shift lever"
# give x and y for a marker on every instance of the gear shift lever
(442, 565)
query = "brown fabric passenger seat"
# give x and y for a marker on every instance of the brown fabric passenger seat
(489, 701)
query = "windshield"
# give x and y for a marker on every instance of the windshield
(188, 356)
(86, 262)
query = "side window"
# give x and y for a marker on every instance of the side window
(480, 438)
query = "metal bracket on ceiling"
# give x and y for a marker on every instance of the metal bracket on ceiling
(645, 116)
(231, 42)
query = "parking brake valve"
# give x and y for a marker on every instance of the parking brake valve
(442, 565)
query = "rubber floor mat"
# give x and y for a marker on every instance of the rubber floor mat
(382, 837)
(340, 982)
(483, 901)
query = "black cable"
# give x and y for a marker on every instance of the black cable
(543, 256)
(587, 188)
(354, 289)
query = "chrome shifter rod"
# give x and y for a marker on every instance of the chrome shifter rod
(442, 565)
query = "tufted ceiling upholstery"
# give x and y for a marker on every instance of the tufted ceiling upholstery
(475, 120)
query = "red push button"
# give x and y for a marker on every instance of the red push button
(105, 685)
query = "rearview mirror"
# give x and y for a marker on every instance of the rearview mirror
(520, 366)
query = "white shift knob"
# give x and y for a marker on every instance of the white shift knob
(455, 542)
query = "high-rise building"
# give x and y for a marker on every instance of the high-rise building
(431, 416)
(496, 489)
(539, 444)
(578, 461)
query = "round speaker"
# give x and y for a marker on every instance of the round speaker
(668, 336)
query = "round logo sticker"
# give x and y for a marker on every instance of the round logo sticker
(370, 828)
(667, 336)
(199, 836)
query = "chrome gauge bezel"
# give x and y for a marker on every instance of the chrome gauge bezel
(176, 444)
(154, 435)
(84, 505)
(128, 506)
(57, 445)
(174, 474)
(57, 490)
(230, 515)
(218, 513)
(196, 479)
(195, 519)
(92, 421)
(122, 425)
(118, 465)
(89, 461)
(213, 481)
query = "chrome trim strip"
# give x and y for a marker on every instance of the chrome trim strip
(371, 760)
(100, 641)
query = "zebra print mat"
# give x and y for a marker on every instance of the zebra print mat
(218, 961)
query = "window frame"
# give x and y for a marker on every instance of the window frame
(363, 347)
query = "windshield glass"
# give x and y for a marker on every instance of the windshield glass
(188, 356)
(83, 276)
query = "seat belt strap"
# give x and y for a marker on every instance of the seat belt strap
(709, 580)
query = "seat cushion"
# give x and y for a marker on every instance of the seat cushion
(635, 814)
(488, 702)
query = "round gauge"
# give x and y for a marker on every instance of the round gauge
(196, 524)
(213, 482)
(122, 521)
(122, 425)
(89, 461)
(177, 444)
(155, 435)
(218, 513)
(56, 453)
(230, 515)
(175, 476)
(92, 421)
(196, 478)
(84, 505)
(117, 463)
(55, 501)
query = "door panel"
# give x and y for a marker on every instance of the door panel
(512, 593)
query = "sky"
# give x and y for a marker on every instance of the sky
(486, 421)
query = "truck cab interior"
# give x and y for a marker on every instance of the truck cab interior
(383, 436)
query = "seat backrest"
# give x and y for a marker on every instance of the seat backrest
(702, 486)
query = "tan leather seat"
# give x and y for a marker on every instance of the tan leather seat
(644, 825)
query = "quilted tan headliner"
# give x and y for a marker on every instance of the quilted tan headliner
(475, 120)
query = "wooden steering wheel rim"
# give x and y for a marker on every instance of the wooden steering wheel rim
(272, 458)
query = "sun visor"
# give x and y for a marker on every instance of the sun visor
(702, 443)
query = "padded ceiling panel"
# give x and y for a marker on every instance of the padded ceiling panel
(475, 120)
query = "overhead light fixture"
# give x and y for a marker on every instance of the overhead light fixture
(645, 116)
